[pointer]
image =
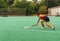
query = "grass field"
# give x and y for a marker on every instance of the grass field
(12, 29)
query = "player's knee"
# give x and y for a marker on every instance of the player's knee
(47, 24)
(42, 22)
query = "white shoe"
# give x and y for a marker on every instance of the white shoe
(53, 28)
(43, 28)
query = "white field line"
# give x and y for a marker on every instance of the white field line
(53, 31)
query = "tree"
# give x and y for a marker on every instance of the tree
(51, 3)
(3, 4)
(15, 3)
(43, 9)
(9, 2)
(35, 1)
(58, 2)
(19, 4)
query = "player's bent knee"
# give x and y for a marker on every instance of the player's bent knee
(47, 24)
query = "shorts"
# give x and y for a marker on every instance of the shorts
(46, 18)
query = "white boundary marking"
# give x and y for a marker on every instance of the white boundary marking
(53, 31)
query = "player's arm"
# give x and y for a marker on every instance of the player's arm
(37, 21)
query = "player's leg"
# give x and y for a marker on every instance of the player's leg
(42, 23)
(50, 26)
